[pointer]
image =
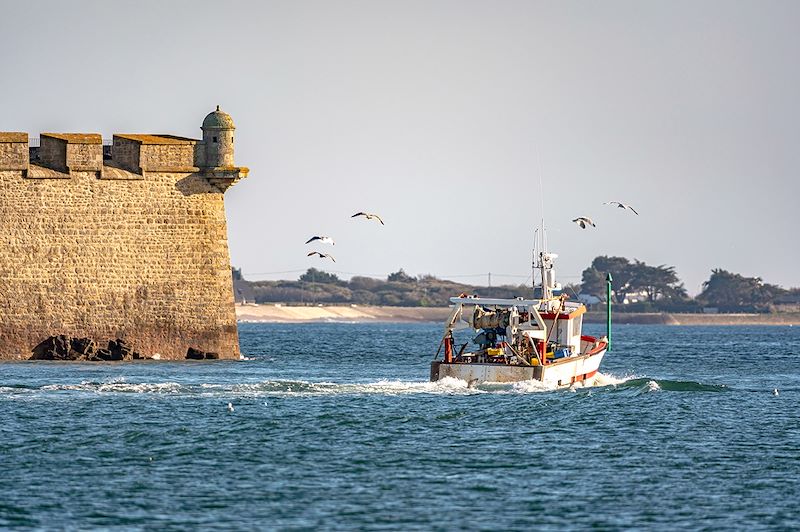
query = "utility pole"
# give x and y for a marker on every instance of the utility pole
(490, 280)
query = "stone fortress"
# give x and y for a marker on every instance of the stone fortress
(122, 241)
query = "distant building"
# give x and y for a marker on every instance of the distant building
(634, 297)
(242, 291)
(589, 299)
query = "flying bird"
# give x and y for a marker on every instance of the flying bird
(323, 239)
(583, 221)
(368, 216)
(622, 206)
(321, 255)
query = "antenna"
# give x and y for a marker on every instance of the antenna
(541, 186)
(540, 246)
(543, 260)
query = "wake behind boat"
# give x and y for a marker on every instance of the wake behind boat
(521, 339)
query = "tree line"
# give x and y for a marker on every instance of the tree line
(398, 289)
(637, 287)
(642, 287)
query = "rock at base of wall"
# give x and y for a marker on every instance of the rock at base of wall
(62, 347)
(196, 354)
(121, 350)
(81, 348)
(101, 355)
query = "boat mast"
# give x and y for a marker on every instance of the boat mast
(544, 261)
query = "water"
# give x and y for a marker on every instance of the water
(336, 427)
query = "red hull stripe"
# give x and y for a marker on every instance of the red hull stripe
(579, 378)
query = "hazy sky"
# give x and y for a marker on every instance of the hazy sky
(442, 116)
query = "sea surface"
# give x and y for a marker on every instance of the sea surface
(335, 426)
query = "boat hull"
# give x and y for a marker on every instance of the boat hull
(563, 372)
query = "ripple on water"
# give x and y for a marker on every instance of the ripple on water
(332, 429)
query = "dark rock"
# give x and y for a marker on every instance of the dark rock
(196, 354)
(83, 346)
(102, 354)
(120, 350)
(41, 350)
(52, 348)
(63, 347)
(60, 349)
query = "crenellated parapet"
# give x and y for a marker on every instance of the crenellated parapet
(14, 151)
(130, 156)
(71, 152)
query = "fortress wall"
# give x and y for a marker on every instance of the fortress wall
(53, 153)
(66, 152)
(145, 260)
(126, 154)
(156, 157)
(85, 157)
(14, 151)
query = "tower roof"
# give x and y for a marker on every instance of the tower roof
(218, 120)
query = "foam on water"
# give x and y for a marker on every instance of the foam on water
(286, 388)
(262, 388)
(336, 427)
(532, 386)
(119, 385)
(652, 386)
(606, 379)
(388, 387)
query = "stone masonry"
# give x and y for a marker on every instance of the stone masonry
(130, 247)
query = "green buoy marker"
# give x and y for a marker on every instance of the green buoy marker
(608, 309)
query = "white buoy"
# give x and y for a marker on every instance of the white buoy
(230, 407)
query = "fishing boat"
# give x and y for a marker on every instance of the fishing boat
(538, 338)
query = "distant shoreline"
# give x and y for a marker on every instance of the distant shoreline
(666, 318)
(281, 313)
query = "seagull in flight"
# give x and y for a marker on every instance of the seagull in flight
(583, 221)
(323, 239)
(622, 206)
(321, 255)
(368, 216)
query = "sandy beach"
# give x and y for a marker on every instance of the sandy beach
(278, 313)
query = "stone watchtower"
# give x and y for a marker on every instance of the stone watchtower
(218, 131)
(124, 239)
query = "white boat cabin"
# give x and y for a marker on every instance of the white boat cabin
(515, 331)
